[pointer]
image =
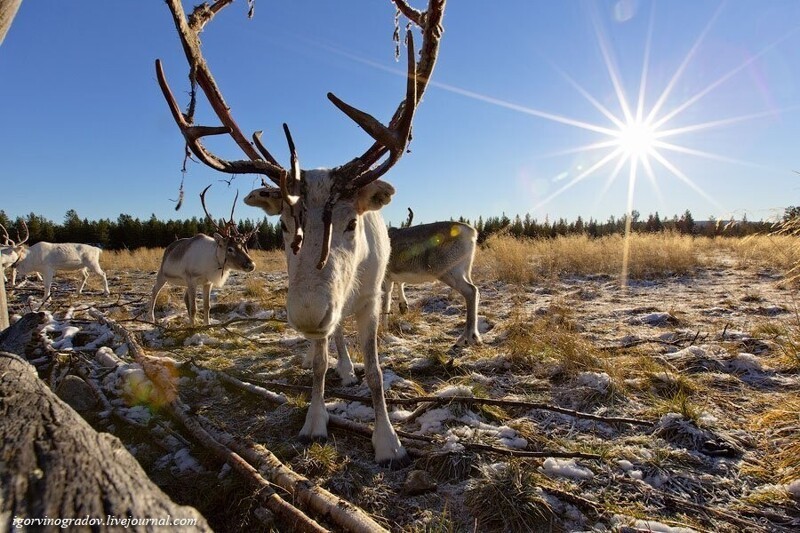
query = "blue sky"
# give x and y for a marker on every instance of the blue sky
(84, 125)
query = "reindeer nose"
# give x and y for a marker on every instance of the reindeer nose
(313, 322)
(249, 267)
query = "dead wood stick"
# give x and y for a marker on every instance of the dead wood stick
(310, 496)
(696, 508)
(366, 431)
(292, 516)
(466, 400)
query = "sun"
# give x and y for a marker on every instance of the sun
(637, 139)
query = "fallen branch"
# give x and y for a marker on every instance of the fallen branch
(310, 496)
(464, 400)
(366, 431)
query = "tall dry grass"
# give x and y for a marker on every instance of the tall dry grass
(650, 255)
(149, 259)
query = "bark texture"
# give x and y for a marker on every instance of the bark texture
(54, 464)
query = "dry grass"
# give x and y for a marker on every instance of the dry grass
(141, 259)
(652, 255)
(145, 259)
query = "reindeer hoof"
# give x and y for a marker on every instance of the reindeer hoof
(397, 463)
(403, 308)
(307, 440)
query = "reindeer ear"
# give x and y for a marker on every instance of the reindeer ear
(374, 196)
(219, 238)
(267, 198)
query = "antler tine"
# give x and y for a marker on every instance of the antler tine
(27, 234)
(8, 240)
(208, 215)
(394, 138)
(288, 188)
(188, 32)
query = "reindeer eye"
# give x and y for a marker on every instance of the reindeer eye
(351, 226)
(283, 227)
(231, 249)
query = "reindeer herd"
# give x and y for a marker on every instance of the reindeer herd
(341, 258)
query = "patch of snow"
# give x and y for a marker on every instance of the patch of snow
(745, 362)
(794, 488)
(106, 358)
(184, 462)
(454, 390)
(565, 468)
(636, 474)
(399, 415)
(483, 325)
(625, 465)
(64, 343)
(599, 381)
(653, 319)
(122, 350)
(658, 527)
(201, 339)
(352, 410)
(431, 421)
(451, 443)
(265, 314)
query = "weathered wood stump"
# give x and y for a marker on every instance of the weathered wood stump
(55, 465)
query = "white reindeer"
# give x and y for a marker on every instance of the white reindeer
(9, 252)
(47, 258)
(441, 251)
(336, 242)
(202, 261)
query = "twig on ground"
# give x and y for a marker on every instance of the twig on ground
(227, 448)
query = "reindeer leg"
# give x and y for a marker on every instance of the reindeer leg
(206, 303)
(388, 286)
(403, 300)
(160, 282)
(344, 366)
(316, 425)
(388, 450)
(189, 296)
(85, 279)
(463, 284)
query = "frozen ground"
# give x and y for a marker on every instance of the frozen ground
(709, 360)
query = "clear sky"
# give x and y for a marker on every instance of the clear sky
(523, 116)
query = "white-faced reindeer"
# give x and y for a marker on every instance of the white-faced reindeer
(441, 251)
(202, 261)
(47, 258)
(336, 242)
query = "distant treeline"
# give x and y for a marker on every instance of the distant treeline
(129, 233)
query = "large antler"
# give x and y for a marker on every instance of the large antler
(353, 175)
(8, 241)
(230, 230)
(188, 31)
(396, 136)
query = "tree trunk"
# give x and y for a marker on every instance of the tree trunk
(3, 301)
(8, 8)
(55, 465)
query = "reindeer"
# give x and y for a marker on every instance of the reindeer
(47, 258)
(441, 251)
(10, 250)
(202, 261)
(336, 242)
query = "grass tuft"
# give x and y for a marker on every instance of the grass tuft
(505, 497)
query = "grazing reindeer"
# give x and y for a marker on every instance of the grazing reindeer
(336, 242)
(441, 251)
(202, 261)
(47, 258)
